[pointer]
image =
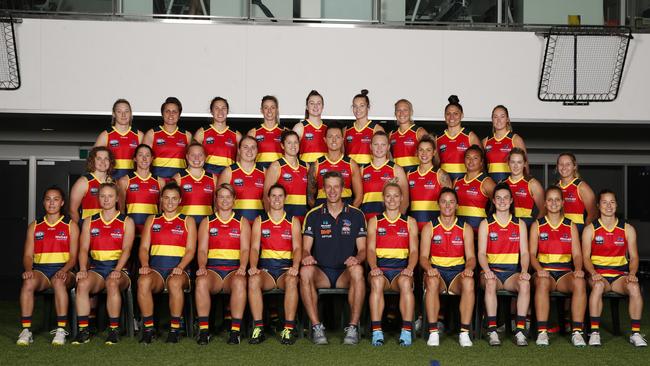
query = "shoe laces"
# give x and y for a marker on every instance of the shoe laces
(257, 331)
(57, 330)
(351, 330)
(286, 333)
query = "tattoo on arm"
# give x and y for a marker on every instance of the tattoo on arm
(312, 186)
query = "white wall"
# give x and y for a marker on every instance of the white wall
(83, 66)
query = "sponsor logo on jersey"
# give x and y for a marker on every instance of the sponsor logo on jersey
(134, 187)
(117, 234)
(599, 240)
(543, 236)
(266, 233)
(214, 231)
(114, 143)
(39, 235)
(187, 187)
(160, 141)
(178, 230)
(209, 140)
(309, 136)
(94, 231)
(381, 231)
(156, 228)
(493, 236)
(437, 239)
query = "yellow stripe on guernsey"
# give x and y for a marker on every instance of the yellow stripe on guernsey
(276, 254)
(347, 192)
(196, 210)
(608, 261)
(88, 212)
(498, 168)
(523, 212)
(373, 197)
(167, 250)
(407, 161)
(219, 160)
(361, 159)
(268, 156)
(453, 168)
(295, 199)
(311, 156)
(397, 253)
(576, 218)
(424, 206)
(144, 208)
(554, 258)
(247, 204)
(503, 258)
(447, 261)
(169, 162)
(48, 258)
(106, 255)
(470, 211)
(230, 254)
(123, 164)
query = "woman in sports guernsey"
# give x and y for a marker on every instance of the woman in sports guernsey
(474, 189)
(358, 137)
(121, 139)
(311, 131)
(84, 194)
(404, 141)
(498, 145)
(455, 140)
(197, 185)
(527, 192)
(579, 199)
(268, 133)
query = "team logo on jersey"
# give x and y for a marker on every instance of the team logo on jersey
(209, 140)
(437, 239)
(429, 185)
(386, 177)
(411, 183)
(286, 235)
(309, 136)
(599, 239)
(521, 192)
(488, 148)
(345, 230)
(619, 241)
(543, 236)
(393, 141)
(133, 144)
(154, 189)
(381, 231)
(472, 191)
(349, 138)
(409, 142)
(156, 228)
(366, 177)
(114, 143)
(181, 143)
(94, 231)
(187, 187)
(493, 236)
(238, 182)
(514, 236)
(208, 188)
(323, 171)
(287, 177)
(403, 232)
(229, 142)
(457, 240)
(234, 233)
(134, 187)
(117, 234)
(39, 235)
(61, 235)
(347, 222)
(461, 146)
(214, 231)
(266, 233)
(505, 149)
(570, 197)
(259, 183)
(94, 191)
(178, 230)
(366, 139)
(565, 238)
(442, 148)
(277, 138)
(160, 141)
(259, 138)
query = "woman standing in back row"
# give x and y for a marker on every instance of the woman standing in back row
(455, 140)
(312, 130)
(404, 141)
(358, 137)
(498, 146)
(579, 198)
(219, 141)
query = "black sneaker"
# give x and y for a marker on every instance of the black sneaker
(92, 328)
(113, 336)
(204, 338)
(83, 336)
(173, 337)
(287, 337)
(147, 336)
(234, 337)
(258, 336)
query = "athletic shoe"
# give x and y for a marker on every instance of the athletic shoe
(405, 338)
(173, 336)
(147, 336)
(417, 325)
(464, 339)
(234, 337)
(351, 335)
(520, 339)
(25, 338)
(594, 339)
(286, 337)
(113, 336)
(59, 336)
(318, 334)
(204, 338)
(377, 338)
(83, 336)
(577, 339)
(542, 339)
(638, 341)
(493, 339)
(434, 339)
(258, 336)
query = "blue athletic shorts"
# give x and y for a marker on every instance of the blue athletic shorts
(48, 270)
(222, 272)
(275, 272)
(332, 274)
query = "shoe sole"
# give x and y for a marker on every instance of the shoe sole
(23, 344)
(79, 343)
(110, 343)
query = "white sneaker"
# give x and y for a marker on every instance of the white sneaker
(520, 339)
(434, 339)
(464, 339)
(417, 325)
(25, 338)
(493, 339)
(577, 339)
(59, 336)
(594, 339)
(542, 339)
(638, 341)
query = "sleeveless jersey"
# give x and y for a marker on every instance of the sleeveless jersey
(447, 249)
(392, 242)
(122, 146)
(522, 197)
(471, 200)
(249, 189)
(198, 195)
(574, 208)
(357, 142)
(451, 150)
(169, 152)
(424, 190)
(343, 166)
(224, 242)
(554, 245)
(168, 241)
(90, 202)
(142, 196)
(220, 148)
(52, 243)
(294, 181)
(496, 155)
(609, 249)
(404, 148)
(106, 239)
(373, 179)
(503, 244)
(269, 148)
(312, 143)
(276, 246)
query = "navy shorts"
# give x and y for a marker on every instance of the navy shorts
(504, 275)
(48, 270)
(166, 272)
(275, 272)
(332, 274)
(448, 275)
(558, 274)
(392, 273)
(223, 273)
(104, 271)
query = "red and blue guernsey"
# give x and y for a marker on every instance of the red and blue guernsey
(472, 201)
(424, 190)
(294, 181)
(51, 245)
(249, 190)
(357, 142)
(447, 250)
(503, 243)
(169, 152)
(269, 148)
(574, 207)
(451, 150)
(525, 208)
(343, 166)
(404, 148)
(374, 178)
(554, 245)
(496, 154)
(122, 146)
(224, 243)
(168, 242)
(276, 245)
(90, 202)
(392, 242)
(142, 197)
(198, 195)
(609, 249)
(220, 148)
(106, 239)
(312, 143)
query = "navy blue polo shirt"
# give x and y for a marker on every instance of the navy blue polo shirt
(334, 238)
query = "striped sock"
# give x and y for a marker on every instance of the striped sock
(82, 321)
(376, 326)
(61, 321)
(521, 322)
(595, 323)
(113, 323)
(175, 323)
(289, 324)
(492, 323)
(235, 325)
(147, 321)
(227, 315)
(258, 323)
(407, 326)
(26, 321)
(577, 327)
(204, 323)
(636, 325)
(465, 327)
(542, 327)
(433, 327)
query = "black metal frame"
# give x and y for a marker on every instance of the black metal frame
(12, 54)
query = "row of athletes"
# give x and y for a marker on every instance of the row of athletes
(330, 252)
